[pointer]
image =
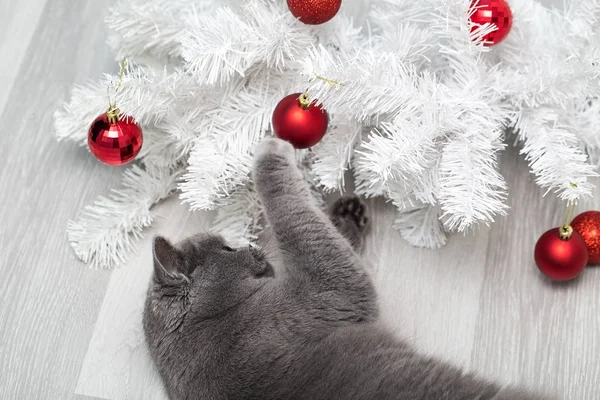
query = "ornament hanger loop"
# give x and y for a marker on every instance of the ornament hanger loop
(570, 213)
(330, 82)
(112, 106)
(566, 231)
(570, 208)
(304, 100)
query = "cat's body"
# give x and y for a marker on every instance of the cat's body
(221, 324)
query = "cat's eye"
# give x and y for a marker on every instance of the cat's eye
(229, 249)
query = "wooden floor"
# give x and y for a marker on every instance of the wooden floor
(70, 332)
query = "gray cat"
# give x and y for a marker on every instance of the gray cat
(222, 323)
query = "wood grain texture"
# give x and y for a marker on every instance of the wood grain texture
(430, 297)
(19, 20)
(67, 332)
(48, 300)
(530, 330)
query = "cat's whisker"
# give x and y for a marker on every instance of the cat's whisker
(204, 230)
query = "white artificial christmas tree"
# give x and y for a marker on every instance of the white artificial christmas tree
(419, 109)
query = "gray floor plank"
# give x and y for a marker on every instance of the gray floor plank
(19, 20)
(48, 299)
(430, 297)
(531, 330)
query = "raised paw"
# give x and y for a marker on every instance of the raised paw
(273, 146)
(351, 209)
(276, 172)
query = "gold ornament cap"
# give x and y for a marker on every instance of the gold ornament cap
(304, 101)
(565, 232)
(112, 115)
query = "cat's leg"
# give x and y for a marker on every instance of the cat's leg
(348, 214)
(305, 234)
(301, 228)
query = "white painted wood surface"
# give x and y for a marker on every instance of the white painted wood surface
(19, 21)
(70, 332)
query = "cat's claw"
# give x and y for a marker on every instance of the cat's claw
(351, 209)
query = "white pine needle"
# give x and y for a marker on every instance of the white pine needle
(105, 234)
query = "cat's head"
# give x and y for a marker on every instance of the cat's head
(200, 278)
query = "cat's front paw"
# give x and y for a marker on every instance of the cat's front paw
(349, 216)
(271, 146)
(351, 209)
(274, 164)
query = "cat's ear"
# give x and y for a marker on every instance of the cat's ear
(168, 262)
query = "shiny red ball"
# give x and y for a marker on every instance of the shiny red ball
(559, 259)
(314, 12)
(115, 143)
(495, 12)
(303, 128)
(587, 225)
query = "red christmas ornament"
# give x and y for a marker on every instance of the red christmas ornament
(495, 12)
(299, 121)
(561, 253)
(314, 12)
(114, 140)
(587, 225)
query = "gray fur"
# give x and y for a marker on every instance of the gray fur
(221, 323)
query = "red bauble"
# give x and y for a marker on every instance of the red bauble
(314, 12)
(115, 140)
(587, 225)
(299, 121)
(561, 259)
(495, 12)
